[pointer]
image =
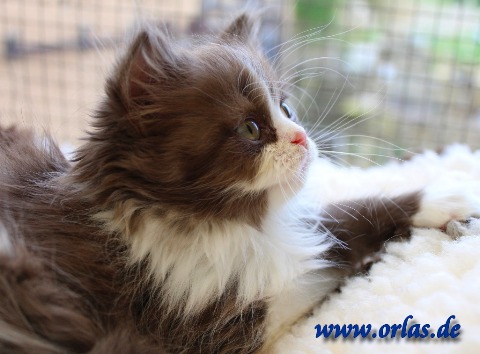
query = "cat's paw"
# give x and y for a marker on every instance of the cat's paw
(448, 199)
(457, 229)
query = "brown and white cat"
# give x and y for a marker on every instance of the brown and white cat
(177, 228)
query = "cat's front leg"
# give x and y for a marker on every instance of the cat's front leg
(363, 226)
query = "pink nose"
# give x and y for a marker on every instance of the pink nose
(300, 138)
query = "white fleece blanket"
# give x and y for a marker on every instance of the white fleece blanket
(431, 277)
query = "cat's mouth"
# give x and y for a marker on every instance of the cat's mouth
(284, 165)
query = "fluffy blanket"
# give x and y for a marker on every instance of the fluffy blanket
(433, 276)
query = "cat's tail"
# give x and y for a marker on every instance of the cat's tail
(38, 314)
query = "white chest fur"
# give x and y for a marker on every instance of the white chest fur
(195, 269)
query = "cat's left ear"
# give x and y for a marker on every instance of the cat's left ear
(149, 61)
(244, 28)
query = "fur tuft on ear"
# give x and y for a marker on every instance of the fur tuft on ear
(243, 28)
(149, 60)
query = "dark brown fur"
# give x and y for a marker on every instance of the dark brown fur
(364, 226)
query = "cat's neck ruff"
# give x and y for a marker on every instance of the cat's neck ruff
(195, 268)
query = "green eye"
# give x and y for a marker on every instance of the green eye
(249, 130)
(288, 112)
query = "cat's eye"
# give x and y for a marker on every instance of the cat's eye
(249, 130)
(287, 110)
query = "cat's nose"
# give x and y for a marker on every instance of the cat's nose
(300, 138)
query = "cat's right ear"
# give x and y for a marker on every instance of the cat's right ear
(143, 68)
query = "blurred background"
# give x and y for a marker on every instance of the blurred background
(374, 80)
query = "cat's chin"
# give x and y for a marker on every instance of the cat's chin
(286, 189)
(310, 155)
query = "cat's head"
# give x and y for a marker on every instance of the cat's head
(202, 128)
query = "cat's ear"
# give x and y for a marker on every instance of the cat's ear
(146, 63)
(244, 28)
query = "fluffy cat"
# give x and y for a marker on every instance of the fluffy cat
(178, 228)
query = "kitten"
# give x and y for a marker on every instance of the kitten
(178, 228)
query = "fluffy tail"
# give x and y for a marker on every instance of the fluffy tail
(39, 314)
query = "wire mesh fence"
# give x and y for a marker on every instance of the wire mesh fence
(373, 77)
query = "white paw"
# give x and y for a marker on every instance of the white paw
(448, 199)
